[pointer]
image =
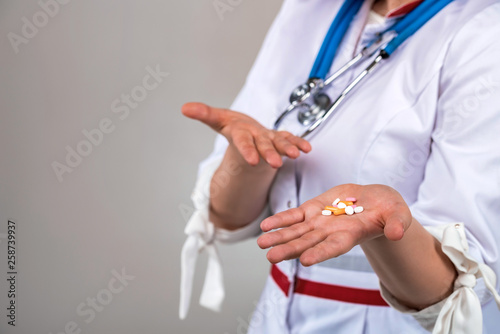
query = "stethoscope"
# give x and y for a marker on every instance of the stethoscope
(313, 106)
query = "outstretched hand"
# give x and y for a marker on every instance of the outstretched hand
(305, 233)
(252, 140)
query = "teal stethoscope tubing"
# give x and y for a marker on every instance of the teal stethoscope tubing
(414, 21)
(333, 38)
(403, 29)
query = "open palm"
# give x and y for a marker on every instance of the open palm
(305, 233)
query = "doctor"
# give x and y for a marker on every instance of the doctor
(416, 143)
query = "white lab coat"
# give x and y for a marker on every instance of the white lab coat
(425, 122)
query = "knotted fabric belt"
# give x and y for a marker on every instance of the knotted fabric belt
(327, 291)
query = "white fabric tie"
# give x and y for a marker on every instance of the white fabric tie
(461, 313)
(201, 235)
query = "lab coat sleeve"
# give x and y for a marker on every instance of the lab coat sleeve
(461, 311)
(459, 198)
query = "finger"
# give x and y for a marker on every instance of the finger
(301, 143)
(283, 235)
(268, 151)
(244, 143)
(213, 117)
(295, 248)
(283, 219)
(336, 244)
(285, 147)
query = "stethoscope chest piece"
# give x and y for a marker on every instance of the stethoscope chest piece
(310, 112)
(308, 101)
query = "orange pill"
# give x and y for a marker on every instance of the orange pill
(339, 212)
(331, 208)
(347, 203)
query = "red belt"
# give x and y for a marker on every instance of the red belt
(328, 291)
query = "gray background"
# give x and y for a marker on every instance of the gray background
(124, 206)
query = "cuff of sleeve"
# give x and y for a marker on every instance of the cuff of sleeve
(248, 231)
(201, 235)
(426, 317)
(461, 311)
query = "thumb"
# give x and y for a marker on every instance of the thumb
(394, 228)
(213, 117)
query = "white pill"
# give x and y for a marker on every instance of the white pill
(341, 205)
(349, 210)
(336, 202)
(358, 209)
(326, 213)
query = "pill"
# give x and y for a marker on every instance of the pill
(331, 208)
(339, 212)
(354, 206)
(358, 209)
(336, 201)
(351, 199)
(341, 205)
(326, 213)
(349, 210)
(346, 203)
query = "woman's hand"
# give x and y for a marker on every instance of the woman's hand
(251, 139)
(306, 234)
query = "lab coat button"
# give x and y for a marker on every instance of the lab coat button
(289, 204)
